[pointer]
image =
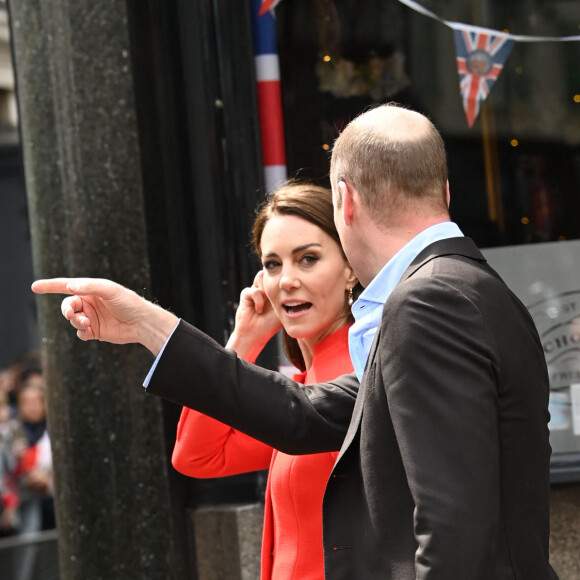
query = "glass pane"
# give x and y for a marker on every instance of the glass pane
(547, 279)
(514, 174)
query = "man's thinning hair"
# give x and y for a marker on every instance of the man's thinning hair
(395, 158)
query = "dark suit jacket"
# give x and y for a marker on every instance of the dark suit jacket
(443, 471)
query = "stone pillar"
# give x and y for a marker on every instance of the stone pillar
(228, 540)
(83, 179)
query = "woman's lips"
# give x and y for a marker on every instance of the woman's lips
(295, 309)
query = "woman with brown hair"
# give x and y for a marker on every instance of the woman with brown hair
(305, 286)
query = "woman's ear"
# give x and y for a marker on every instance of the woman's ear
(351, 279)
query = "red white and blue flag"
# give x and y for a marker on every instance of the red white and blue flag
(267, 6)
(269, 93)
(481, 54)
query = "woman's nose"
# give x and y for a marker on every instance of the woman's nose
(288, 280)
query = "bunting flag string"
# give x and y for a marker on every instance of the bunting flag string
(481, 54)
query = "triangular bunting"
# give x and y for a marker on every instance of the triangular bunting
(481, 55)
(268, 5)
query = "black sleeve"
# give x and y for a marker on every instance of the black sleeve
(196, 372)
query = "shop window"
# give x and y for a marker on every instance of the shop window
(514, 172)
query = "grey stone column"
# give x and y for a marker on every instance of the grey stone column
(228, 541)
(83, 179)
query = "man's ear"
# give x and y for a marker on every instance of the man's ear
(347, 196)
(448, 195)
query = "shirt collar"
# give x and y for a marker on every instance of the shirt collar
(385, 281)
(368, 309)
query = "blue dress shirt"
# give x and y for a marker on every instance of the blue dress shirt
(368, 309)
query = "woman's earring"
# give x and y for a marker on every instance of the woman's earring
(350, 297)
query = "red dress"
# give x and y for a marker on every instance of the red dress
(292, 537)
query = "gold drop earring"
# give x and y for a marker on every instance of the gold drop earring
(350, 297)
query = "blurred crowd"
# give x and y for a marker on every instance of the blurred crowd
(26, 484)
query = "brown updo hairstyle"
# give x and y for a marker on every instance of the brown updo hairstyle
(312, 203)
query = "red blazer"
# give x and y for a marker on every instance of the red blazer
(292, 536)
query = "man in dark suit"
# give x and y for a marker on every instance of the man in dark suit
(443, 470)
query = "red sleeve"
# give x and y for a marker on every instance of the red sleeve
(10, 499)
(27, 462)
(9, 496)
(207, 448)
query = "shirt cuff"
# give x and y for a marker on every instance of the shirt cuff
(152, 369)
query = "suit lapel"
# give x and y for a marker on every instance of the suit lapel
(361, 396)
(451, 246)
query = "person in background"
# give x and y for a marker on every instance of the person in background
(443, 470)
(305, 284)
(12, 444)
(8, 387)
(33, 471)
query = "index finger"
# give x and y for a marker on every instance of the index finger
(83, 286)
(51, 286)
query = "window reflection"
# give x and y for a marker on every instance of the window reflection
(515, 174)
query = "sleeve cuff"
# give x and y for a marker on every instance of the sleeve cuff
(154, 366)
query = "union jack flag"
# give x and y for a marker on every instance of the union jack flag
(481, 55)
(268, 5)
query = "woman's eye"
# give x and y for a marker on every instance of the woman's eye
(309, 259)
(270, 265)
